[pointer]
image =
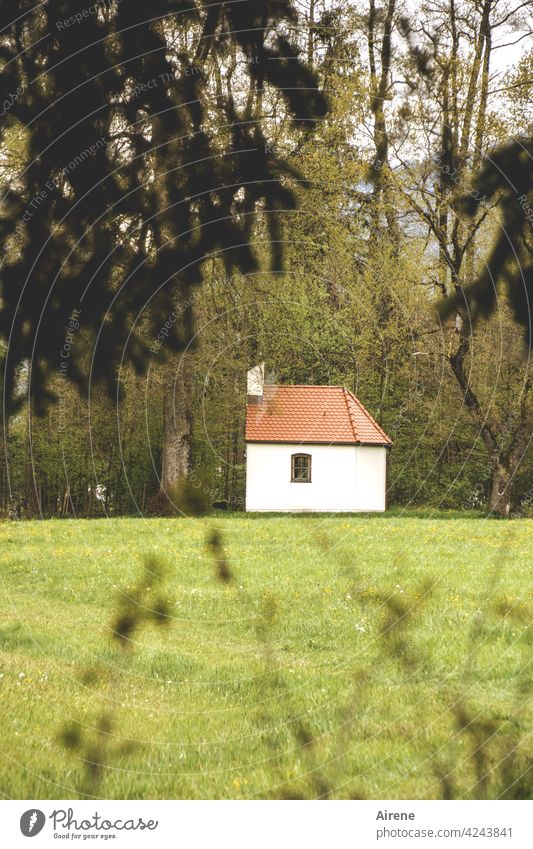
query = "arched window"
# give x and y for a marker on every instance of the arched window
(301, 468)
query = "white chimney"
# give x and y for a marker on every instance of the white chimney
(256, 381)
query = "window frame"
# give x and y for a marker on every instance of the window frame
(298, 456)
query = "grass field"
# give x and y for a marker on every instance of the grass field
(325, 666)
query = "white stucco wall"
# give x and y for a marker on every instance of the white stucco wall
(345, 478)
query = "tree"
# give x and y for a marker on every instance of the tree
(461, 42)
(381, 87)
(126, 188)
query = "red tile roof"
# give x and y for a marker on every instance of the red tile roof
(310, 414)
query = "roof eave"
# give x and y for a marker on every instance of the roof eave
(315, 442)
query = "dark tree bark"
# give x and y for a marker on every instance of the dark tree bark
(500, 493)
(380, 83)
(311, 34)
(177, 426)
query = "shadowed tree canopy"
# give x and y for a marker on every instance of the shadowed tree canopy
(137, 166)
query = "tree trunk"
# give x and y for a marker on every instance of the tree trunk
(500, 493)
(311, 34)
(177, 422)
(500, 496)
(380, 82)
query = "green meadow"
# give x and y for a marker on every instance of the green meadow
(290, 657)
